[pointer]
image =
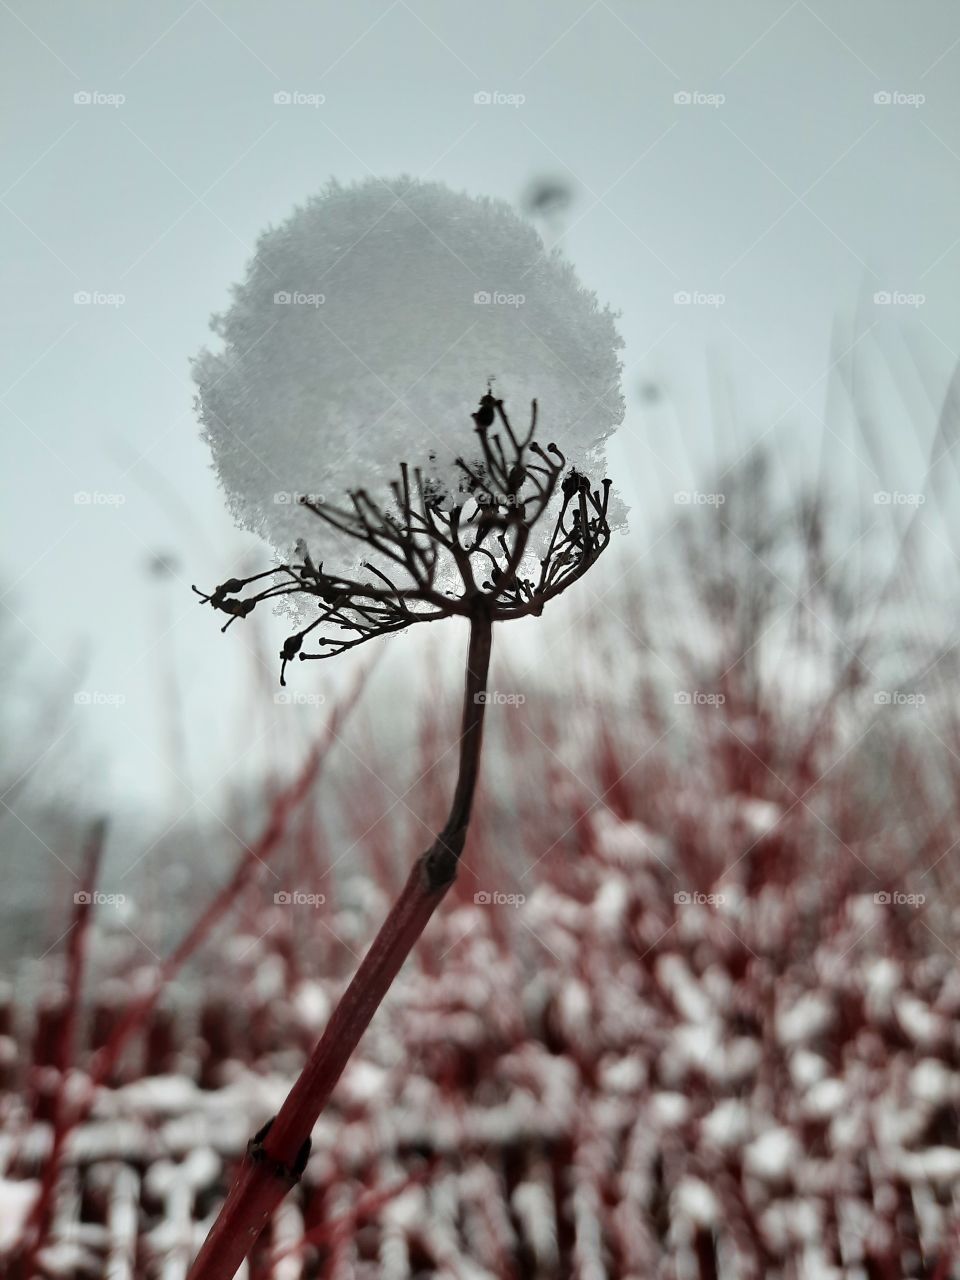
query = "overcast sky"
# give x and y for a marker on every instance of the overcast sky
(780, 163)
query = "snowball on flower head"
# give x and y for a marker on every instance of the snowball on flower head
(367, 327)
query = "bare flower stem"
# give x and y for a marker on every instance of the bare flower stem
(277, 1155)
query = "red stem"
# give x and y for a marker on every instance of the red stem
(65, 1118)
(277, 1155)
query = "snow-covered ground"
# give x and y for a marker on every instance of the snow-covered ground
(611, 1078)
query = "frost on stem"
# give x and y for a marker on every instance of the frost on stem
(479, 536)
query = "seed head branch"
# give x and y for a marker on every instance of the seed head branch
(477, 536)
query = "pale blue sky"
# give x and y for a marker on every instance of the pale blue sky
(797, 197)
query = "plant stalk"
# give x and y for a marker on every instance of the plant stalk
(277, 1155)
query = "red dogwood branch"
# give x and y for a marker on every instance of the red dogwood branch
(277, 1155)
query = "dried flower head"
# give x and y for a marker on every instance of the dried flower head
(479, 537)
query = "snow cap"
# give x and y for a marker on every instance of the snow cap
(365, 332)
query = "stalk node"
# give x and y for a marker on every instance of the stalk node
(440, 862)
(288, 1173)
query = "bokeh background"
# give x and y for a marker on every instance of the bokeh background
(796, 199)
(767, 193)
